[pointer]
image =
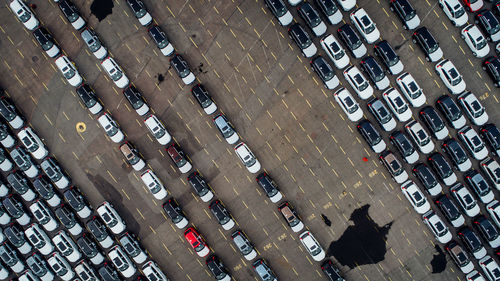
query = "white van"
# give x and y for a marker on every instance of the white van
(154, 184)
(157, 129)
(69, 71)
(111, 127)
(24, 14)
(115, 72)
(247, 157)
(32, 143)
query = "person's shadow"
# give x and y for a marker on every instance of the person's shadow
(438, 262)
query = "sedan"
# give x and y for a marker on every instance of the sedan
(415, 197)
(473, 108)
(450, 76)
(348, 104)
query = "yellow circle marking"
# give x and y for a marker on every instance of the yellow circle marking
(81, 127)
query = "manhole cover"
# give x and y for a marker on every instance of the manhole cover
(81, 127)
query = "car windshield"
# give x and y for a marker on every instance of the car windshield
(279, 7)
(478, 144)
(115, 73)
(477, 108)
(350, 105)
(368, 24)
(68, 72)
(159, 37)
(23, 14)
(410, 14)
(330, 7)
(401, 106)
(440, 228)
(158, 131)
(362, 83)
(458, 10)
(480, 42)
(414, 90)
(384, 114)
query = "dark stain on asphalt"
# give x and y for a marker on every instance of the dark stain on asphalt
(101, 8)
(438, 262)
(161, 78)
(361, 243)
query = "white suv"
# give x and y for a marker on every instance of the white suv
(66, 246)
(464, 198)
(39, 239)
(348, 104)
(61, 267)
(32, 143)
(410, 88)
(491, 169)
(312, 245)
(247, 157)
(43, 215)
(358, 82)
(121, 261)
(490, 268)
(473, 108)
(450, 76)
(493, 209)
(416, 197)
(420, 137)
(157, 129)
(153, 272)
(334, 50)
(24, 14)
(437, 227)
(115, 72)
(110, 127)
(455, 11)
(397, 104)
(69, 71)
(473, 142)
(475, 40)
(365, 25)
(154, 184)
(111, 217)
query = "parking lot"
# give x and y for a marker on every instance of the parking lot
(279, 107)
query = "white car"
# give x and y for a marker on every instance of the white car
(491, 169)
(32, 143)
(473, 142)
(437, 227)
(473, 108)
(140, 12)
(347, 4)
(121, 261)
(312, 246)
(61, 266)
(114, 72)
(5, 164)
(247, 157)
(493, 209)
(111, 217)
(69, 71)
(397, 104)
(455, 11)
(334, 50)
(4, 272)
(450, 76)
(490, 268)
(39, 239)
(295, 2)
(465, 199)
(24, 14)
(66, 246)
(154, 185)
(420, 137)
(475, 40)
(474, 276)
(474, 5)
(111, 127)
(153, 272)
(410, 88)
(85, 271)
(157, 129)
(358, 82)
(43, 215)
(365, 25)
(416, 197)
(348, 104)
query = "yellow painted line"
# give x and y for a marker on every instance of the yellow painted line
(46, 117)
(128, 197)
(111, 176)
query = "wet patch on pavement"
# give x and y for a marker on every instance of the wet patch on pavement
(101, 8)
(438, 262)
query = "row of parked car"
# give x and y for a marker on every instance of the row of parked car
(395, 101)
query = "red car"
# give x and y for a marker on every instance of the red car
(473, 5)
(197, 242)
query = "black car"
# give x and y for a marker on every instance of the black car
(8, 110)
(427, 178)
(44, 38)
(15, 235)
(160, 39)
(404, 10)
(310, 16)
(325, 72)
(491, 134)
(331, 271)
(389, 57)
(89, 98)
(45, 189)
(471, 240)
(14, 207)
(222, 214)
(89, 248)
(371, 136)
(488, 22)
(132, 247)
(216, 267)
(135, 99)
(99, 232)
(66, 217)
(480, 186)
(278, 9)
(373, 69)
(19, 183)
(350, 38)
(442, 168)
(492, 67)
(457, 154)
(433, 122)
(203, 98)
(446, 105)
(404, 146)
(450, 210)
(69, 11)
(263, 270)
(76, 201)
(108, 273)
(140, 11)
(300, 37)
(175, 213)
(424, 39)
(180, 66)
(329, 8)
(269, 186)
(486, 228)
(200, 186)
